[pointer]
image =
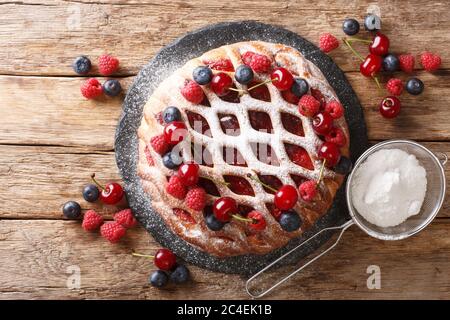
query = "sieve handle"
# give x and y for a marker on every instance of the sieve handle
(443, 158)
(343, 227)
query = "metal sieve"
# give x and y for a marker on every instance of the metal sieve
(434, 197)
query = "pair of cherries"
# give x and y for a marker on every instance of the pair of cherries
(378, 48)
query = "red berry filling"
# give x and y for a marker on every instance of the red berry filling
(316, 93)
(259, 93)
(272, 181)
(221, 65)
(209, 186)
(148, 156)
(183, 215)
(260, 121)
(198, 123)
(292, 124)
(233, 157)
(265, 153)
(239, 185)
(299, 156)
(229, 124)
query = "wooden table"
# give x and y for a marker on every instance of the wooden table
(51, 139)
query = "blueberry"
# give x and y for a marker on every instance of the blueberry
(81, 65)
(112, 87)
(372, 22)
(344, 165)
(180, 274)
(212, 223)
(290, 221)
(414, 86)
(202, 75)
(350, 26)
(158, 279)
(71, 210)
(243, 74)
(171, 114)
(90, 193)
(391, 63)
(299, 87)
(171, 160)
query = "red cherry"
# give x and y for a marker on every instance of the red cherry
(286, 197)
(330, 152)
(224, 208)
(322, 123)
(175, 132)
(221, 84)
(165, 259)
(259, 223)
(282, 79)
(379, 45)
(188, 173)
(111, 193)
(390, 107)
(371, 65)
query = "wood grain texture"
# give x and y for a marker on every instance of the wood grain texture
(43, 250)
(65, 30)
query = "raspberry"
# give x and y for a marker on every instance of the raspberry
(107, 64)
(259, 223)
(394, 86)
(125, 218)
(91, 88)
(308, 105)
(149, 157)
(259, 62)
(308, 190)
(334, 109)
(328, 42)
(176, 188)
(196, 198)
(406, 62)
(159, 144)
(192, 92)
(221, 65)
(112, 231)
(290, 97)
(336, 136)
(430, 62)
(91, 220)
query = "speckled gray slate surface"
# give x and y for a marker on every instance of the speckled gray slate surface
(164, 63)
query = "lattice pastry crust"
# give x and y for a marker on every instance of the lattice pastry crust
(236, 238)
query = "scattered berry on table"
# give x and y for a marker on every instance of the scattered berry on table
(111, 193)
(224, 208)
(90, 193)
(71, 210)
(379, 45)
(213, 223)
(171, 160)
(430, 61)
(165, 259)
(112, 231)
(282, 79)
(336, 136)
(202, 75)
(328, 42)
(286, 197)
(91, 220)
(181, 274)
(171, 114)
(300, 87)
(107, 64)
(330, 152)
(391, 63)
(112, 87)
(390, 107)
(221, 65)
(221, 84)
(125, 218)
(308, 190)
(188, 173)
(259, 223)
(350, 26)
(406, 62)
(158, 279)
(344, 165)
(334, 109)
(260, 63)
(414, 86)
(322, 123)
(196, 198)
(81, 65)
(159, 144)
(372, 22)
(308, 105)
(192, 92)
(175, 132)
(244, 74)
(371, 65)
(176, 188)
(91, 88)
(290, 221)
(394, 86)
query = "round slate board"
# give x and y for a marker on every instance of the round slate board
(168, 60)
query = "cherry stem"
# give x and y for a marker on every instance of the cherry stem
(377, 81)
(95, 181)
(237, 90)
(321, 172)
(262, 183)
(241, 218)
(143, 255)
(261, 84)
(353, 50)
(224, 183)
(358, 39)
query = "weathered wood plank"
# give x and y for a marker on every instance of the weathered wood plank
(134, 32)
(38, 180)
(35, 256)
